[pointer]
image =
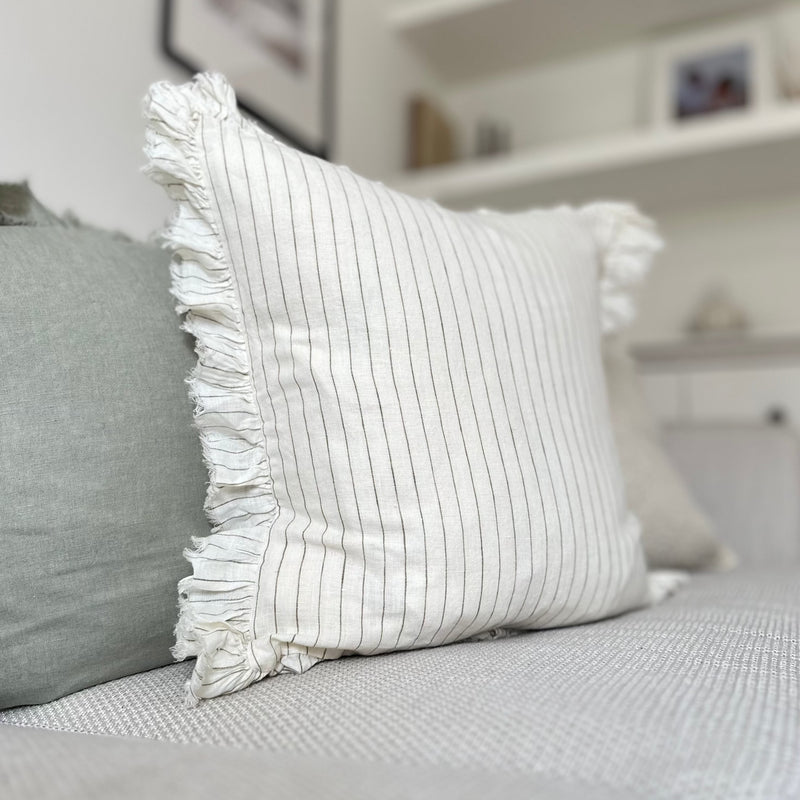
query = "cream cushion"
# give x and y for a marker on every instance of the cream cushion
(402, 408)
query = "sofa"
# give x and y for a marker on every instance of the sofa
(621, 676)
(694, 698)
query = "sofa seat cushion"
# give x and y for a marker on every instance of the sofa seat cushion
(697, 697)
(53, 765)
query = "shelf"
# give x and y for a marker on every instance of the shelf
(703, 162)
(470, 39)
(722, 351)
(417, 14)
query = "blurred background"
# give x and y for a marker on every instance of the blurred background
(690, 108)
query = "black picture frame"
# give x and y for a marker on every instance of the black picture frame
(273, 121)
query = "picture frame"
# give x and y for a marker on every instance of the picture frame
(712, 74)
(278, 55)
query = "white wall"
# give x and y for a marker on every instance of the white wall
(377, 72)
(752, 248)
(590, 95)
(73, 76)
(74, 73)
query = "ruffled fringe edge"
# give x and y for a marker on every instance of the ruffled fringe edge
(627, 241)
(217, 602)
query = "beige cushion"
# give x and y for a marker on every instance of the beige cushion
(675, 532)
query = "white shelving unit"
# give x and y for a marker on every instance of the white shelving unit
(416, 14)
(741, 378)
(698, 163)
(721, 352)
(474, 48)
(459, 37)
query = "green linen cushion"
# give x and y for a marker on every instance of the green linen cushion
(101, 474)
(18, 206)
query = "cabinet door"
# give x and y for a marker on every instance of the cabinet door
(746, 395)
(665, 394)
(747, 478)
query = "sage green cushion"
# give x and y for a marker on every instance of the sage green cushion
(18, 206)
(101, 475)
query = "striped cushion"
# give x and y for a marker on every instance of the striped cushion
(402, 408)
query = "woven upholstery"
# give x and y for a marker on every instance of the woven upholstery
(697, 697)
(49, 765)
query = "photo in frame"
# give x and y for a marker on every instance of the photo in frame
(712, 74)
(277, 55)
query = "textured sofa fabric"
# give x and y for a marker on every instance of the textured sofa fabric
(696, 698)
(48, 765)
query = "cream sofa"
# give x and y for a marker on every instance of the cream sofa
(698, 697)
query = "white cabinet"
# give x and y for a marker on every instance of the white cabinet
(666, 395)
(710, 163)
(737, 381)
(747, 394)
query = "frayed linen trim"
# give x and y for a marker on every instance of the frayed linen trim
(217, 602)
(663, 583)
(627, 242)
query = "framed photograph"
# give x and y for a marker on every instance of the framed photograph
(277, 55)
(713, 73)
